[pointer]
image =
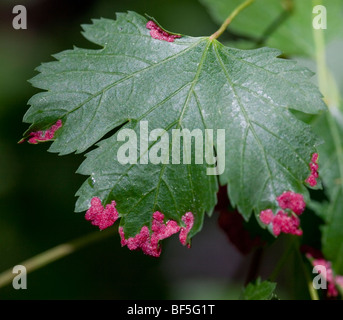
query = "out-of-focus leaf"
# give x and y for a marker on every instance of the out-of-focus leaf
(330, 127)
(259, 290)
(287, 24)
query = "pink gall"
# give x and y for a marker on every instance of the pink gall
(286, 224)
(188, 219)
(281, 222)
(160, 230)
(150, 243)
(293, 201)
(267, 216)
(317, 260)
(101, 217)
(139, 240)
(157, 33)
(41, 136)
(315, 157)
(312, 179)
(329, 277)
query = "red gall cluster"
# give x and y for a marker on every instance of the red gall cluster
(317, 260)
(312, 179)
(100, 216)
(157, 33)
(149, 244)
(188, 220)
(40, 136)
(283, 221)
(293, 201)
(106, 217)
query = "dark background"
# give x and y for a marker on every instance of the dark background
(37, 188)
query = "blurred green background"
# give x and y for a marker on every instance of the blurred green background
(37, 188)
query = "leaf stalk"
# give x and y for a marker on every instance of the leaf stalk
(54, 254)
(229, 19)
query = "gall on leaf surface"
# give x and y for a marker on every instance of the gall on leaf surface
(190, 83)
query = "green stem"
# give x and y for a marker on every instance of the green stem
(322, 72)
(288, 5)
(329, 90)
(312, 291)
(54, 254)
(326, 82)
(326, 87)
(229, 19)
(281, 261)
(254, 266)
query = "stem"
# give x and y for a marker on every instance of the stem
(288, 4)
(234, 13)
(53, 254)
(254, 266)
(331, 99)
(326, 88)
(312, 291)
(281, 261)
(322, 72)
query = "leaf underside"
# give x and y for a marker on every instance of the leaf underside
(191, 83)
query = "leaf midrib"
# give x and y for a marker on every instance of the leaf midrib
(248, 121)
(191, 90)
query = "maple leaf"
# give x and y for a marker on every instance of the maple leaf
(176, 83)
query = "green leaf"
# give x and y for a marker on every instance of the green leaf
(192, 83)
(259, 290)
(285, 24)
(330, 127)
